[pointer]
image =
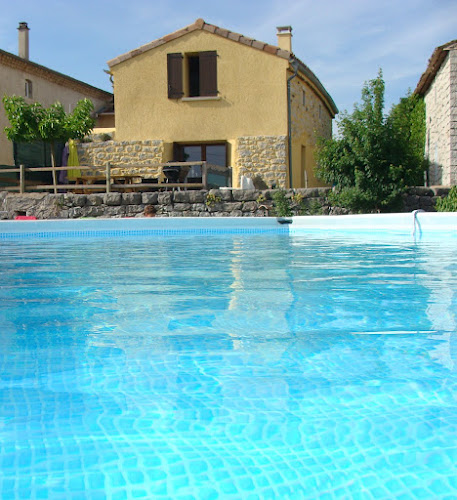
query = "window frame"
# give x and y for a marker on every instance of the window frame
(178, 150)
(28, 88)
(192, 75)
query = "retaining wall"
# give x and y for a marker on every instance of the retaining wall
(213, 203)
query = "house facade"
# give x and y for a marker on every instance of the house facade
(206, 93)
(21, 77)
(438, 86)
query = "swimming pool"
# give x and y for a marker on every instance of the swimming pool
(232, 359)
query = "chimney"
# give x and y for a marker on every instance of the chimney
(284, 35)
(23, 41)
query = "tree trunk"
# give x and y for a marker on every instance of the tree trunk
(53, 165)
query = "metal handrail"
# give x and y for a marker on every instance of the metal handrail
(416, 222)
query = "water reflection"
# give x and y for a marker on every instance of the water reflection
(285, 361)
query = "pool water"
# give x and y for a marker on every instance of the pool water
(230, 366)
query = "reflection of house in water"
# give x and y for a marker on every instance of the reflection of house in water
(260, 292)
(439, 279)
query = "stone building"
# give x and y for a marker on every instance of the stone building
(438, 86)
(206, 93)
(21, 77)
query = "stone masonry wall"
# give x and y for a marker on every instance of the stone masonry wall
(213, 203)
(264, 156)
(146, 155)
(310, 118)
(453, 132)
(437, 144)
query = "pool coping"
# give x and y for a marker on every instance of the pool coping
(415, 224)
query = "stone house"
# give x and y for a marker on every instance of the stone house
(438, 86)
(206, 93)
(22, 77)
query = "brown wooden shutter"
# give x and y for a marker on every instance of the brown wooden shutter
(208, 73)
(174, 69)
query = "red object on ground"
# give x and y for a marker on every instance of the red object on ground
(25, 217)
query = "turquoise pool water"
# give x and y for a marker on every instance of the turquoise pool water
(230, 366)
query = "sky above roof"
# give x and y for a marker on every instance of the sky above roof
(344, 42)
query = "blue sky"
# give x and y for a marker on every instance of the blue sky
(344, 42)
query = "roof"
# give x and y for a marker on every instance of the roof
(30, 67)
(313, 78)
(200, 24)
(434, 64)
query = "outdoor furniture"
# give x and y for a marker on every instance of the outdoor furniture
(117, 179)
(175, 173)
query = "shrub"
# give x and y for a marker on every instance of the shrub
(281, 204)
(448, 203)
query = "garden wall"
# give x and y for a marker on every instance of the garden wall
(213, 203)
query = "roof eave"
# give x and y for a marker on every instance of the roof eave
(303, 68)
(434, 64)
(200, 24)
(15, 61)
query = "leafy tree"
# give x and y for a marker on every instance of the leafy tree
(406, 123)
(32, 122)
(371, 161)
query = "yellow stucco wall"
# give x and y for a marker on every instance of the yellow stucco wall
(251, 84)
(13, 83)
(251, 106)
(310, 119)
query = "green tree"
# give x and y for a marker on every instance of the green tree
(33, 122)
(406, 124)
(370, 162)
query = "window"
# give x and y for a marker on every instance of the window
(214, 154)
(28, 89)
(303, 98)
(192, 75)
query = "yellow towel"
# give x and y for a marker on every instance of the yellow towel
(73, 161)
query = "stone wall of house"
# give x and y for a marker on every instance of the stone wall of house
(144, 156)
(264, 157)
(192, 203)
(453, 132)
(438, 116)
(259, 157)
(310, 118)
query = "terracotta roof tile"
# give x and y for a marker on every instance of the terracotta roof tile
(222, 32)
(168, 38)
(209, 27)
(285, 54)
(155, 43)
(246, 40)
(200, 22)
(234, 36)
(258, 45)
(271, 49)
